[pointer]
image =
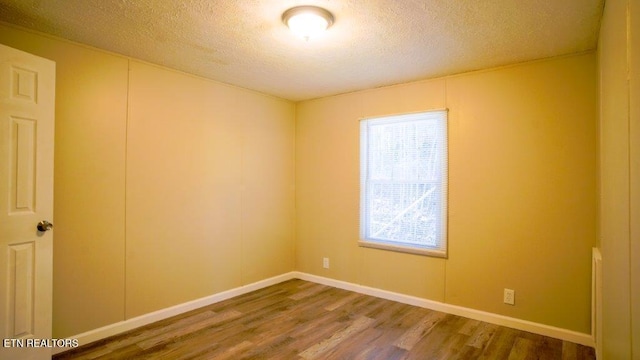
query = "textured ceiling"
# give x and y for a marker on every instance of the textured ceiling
(372, 42)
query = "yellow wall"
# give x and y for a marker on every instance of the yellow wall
(522, 185)
(209, 188)
(168, 187)
(619, 167)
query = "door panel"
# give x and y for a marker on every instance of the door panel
(22, 165)
(27, 88)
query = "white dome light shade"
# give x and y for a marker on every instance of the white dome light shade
(307, 21)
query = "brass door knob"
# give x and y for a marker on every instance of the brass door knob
(44, 225)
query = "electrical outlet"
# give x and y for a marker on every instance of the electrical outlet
(325, 263)
(509, 296)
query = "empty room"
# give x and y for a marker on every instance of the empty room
(415, 179)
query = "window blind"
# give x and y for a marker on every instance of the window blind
(404, 181)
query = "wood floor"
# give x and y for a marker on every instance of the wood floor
(303, 320)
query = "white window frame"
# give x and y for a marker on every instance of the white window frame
(437, 119)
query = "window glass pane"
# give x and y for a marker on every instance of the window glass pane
(404, 151)
(403, 180)
(406, 213)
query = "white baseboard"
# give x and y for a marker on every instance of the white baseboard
(524, 325)
(541, 329)
(126, 325)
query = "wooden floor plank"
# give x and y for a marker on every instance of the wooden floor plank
(344, 300)
(522, 349)
(300, 320)
(500, 344)
(419, 331)
(443, 341)
(309, 292)
(164, 337)
(317, 350)
(482, 335)
(470, 327)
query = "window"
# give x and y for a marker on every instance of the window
(403, 183)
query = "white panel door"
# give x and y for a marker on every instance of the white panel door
(27, 90)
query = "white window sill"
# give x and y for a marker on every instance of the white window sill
(405, 249)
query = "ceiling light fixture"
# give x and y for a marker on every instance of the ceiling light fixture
(307, 21)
